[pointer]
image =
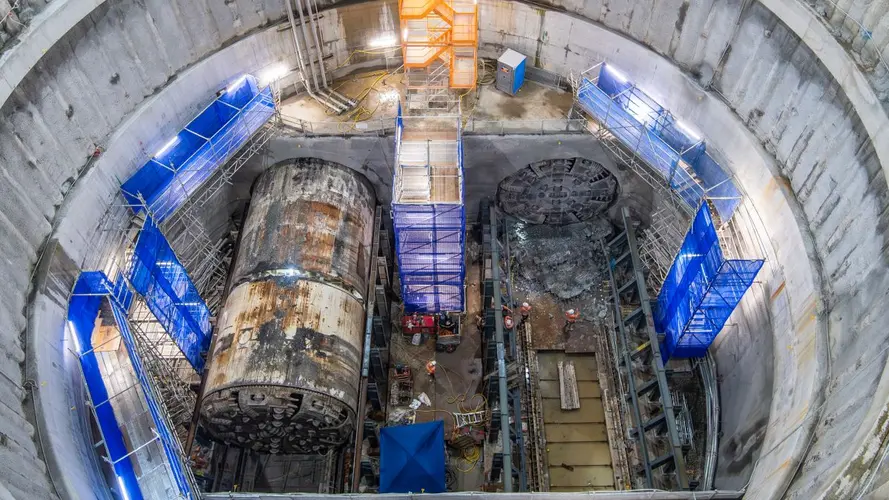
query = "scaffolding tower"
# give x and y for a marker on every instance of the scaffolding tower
(439, 47)
(135, 276)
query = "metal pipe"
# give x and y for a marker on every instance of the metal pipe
(302, 27)
(302, 24)
(501, 355)
(316, 34)
(301, 62)
(708, 373)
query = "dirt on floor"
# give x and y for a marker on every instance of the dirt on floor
(453, 390)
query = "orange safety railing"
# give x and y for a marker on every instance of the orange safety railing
(445, 30)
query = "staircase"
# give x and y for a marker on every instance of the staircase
(441, 30)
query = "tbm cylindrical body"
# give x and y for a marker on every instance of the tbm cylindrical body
(284, 372)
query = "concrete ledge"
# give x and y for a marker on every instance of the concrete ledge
(47, 28)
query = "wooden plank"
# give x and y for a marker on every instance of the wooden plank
(573, 433)
(588, 476)
(585, 367)
(568, 396)
(578, 454)
(585, 388)
(105, 338)
(591, 410)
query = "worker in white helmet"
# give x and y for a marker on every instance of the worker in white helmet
(571, 317)
(525, 311)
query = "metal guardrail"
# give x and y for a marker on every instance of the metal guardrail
(383, 126)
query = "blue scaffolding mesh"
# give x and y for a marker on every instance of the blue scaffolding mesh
(429, 242)
(430, 245)
(700, 292)
(661, 141)
(83, 309)
(157, 275)
(167, 180)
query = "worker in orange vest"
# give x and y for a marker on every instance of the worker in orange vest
(525, 311)
(430, 368)
(570, 318)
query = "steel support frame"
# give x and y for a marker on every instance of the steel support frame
(374, 368)
(631, 258)
(501, 355)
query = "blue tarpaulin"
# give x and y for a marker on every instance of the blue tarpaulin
(83, 309)
(659, 139)
(412, 458)
(189, 158)
(170, 295)
(700, 292)
(91, 288)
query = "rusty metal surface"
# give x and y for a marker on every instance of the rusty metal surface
(308, 218)
(284, 373)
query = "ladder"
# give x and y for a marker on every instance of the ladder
(471, 418)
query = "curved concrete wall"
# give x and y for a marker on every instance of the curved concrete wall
(815, 188)
(803, 143)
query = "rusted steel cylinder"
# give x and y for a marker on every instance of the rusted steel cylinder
(284, 372)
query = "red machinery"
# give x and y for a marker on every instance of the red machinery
(425, 324)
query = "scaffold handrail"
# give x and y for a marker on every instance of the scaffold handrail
(181, 165)
(652, 133)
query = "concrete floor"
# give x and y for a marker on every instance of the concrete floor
(576, 440)
(455, 387)
(378, 93)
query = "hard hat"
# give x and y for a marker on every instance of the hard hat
(525, 304)
(570, 311)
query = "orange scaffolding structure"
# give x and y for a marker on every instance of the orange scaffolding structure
(444, 31)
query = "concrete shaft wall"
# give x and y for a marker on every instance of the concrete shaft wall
(799, 138)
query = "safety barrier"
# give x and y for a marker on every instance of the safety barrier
(700, 292)
(652, 133)
(179, 168)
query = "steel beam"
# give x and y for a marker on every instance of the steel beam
(642, 315)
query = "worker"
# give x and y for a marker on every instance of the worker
(570, 318)
(430, 368)
(445, 322)
(506, 310)
(525, 311)
(508, 323)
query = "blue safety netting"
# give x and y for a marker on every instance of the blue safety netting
(83, 309)
(659, 139)
(412, 458)
(429, 243)
(700, 292)
(157, 275)
(188, 159)
(430, 246)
